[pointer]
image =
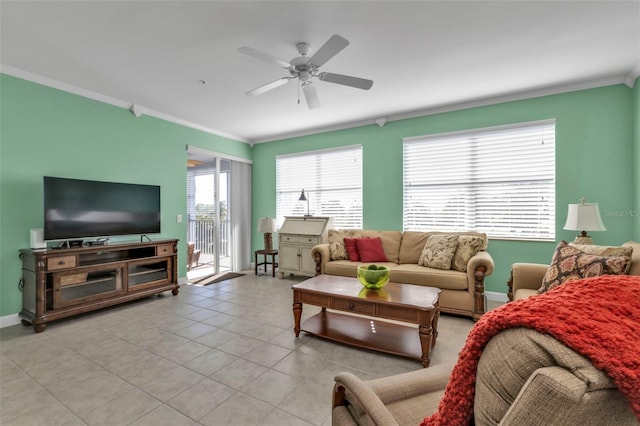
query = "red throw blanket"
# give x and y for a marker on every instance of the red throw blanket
(596, 317)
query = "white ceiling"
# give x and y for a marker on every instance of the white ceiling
(423, 56)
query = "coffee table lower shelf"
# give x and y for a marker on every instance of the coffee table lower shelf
(364, 332)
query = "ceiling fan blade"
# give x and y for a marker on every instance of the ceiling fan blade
(269, 86)
(346, 80)
(328, 50)
(265, 57)
(311, 96)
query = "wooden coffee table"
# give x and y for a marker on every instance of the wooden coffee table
(400, 302)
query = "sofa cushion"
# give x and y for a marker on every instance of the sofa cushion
(420, 275)
(438, 251)
(570, 263)
(352, 249)
(336, 241)
(635, 257)
(346, 268)
(468, 246)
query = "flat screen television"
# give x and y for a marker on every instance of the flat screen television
(76, 209)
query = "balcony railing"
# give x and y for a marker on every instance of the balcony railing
(202, 233)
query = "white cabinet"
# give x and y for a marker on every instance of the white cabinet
(297, 236)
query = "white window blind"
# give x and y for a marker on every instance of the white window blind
(332, 182)
(497, 180)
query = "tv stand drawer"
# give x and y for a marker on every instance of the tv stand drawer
(164, 249)
(61, 262)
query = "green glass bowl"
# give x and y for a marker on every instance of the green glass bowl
(373, 278)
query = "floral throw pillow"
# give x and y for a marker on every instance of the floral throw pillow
(336, 242)
(571, 263)
(438, 251)
(468, 246)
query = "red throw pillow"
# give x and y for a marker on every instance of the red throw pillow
(352, 249)
(370, 250)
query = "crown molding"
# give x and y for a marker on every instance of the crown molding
(632, 75)
(628, 80)
(45, 81)
(479, 102)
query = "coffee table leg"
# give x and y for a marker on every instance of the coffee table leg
(297, 314)
(426, 341)
(434, 327)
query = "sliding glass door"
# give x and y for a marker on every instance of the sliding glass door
(218, 202)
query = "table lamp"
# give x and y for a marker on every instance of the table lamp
(304, 198)
(267, 226)
(584, 217)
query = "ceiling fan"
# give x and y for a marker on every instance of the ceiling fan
(304, 69)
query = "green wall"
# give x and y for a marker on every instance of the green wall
(594, 159)
(46, 131)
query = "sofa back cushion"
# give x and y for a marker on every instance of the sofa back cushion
(413, 243)
(411, 247)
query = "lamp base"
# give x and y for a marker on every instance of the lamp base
(268, 242)
(585, 240)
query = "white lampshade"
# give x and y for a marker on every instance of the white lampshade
(266, 224)
(584, 217)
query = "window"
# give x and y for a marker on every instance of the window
(497, 180)
(332, 183)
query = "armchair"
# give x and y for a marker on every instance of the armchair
(526, 278)
(568, 356)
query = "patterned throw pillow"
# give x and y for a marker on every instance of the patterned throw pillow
(438, 251)
(336, 242)
(468, 246)
(570, 263)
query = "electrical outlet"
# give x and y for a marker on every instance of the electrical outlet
(179, 218)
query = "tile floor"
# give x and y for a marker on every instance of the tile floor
(224, 354)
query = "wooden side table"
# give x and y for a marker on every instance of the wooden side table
(267, 255)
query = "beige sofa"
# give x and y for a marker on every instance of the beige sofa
(526, 278)
(462, 292)
(523, 378)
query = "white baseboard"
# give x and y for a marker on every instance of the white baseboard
(9, 320)
(496, 297)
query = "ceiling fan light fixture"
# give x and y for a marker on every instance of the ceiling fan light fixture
(304, 69)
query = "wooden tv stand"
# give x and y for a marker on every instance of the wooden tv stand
(59, 283)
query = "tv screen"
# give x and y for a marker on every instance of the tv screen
(75, 209)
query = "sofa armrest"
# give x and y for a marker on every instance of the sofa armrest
(482, 258)
(321, 255)
(479, 266)
(370, 399)
(413, 383)
(349, 389)
(525, 276)
(546, 398)
(555, 395)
